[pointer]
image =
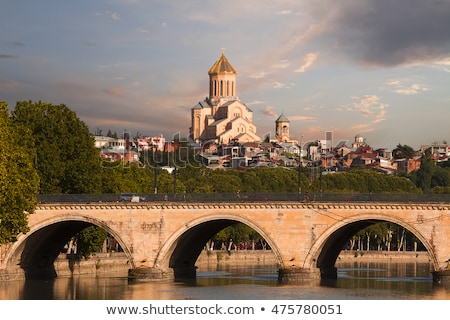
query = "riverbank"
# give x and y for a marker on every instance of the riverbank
(106, 263)
(367, 256)
(67, 265)
(212, 258)
(208, 259)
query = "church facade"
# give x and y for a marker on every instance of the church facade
(222, 117)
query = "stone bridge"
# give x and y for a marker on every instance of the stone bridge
(164, 239)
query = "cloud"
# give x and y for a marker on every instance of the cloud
(412, 89)
(281, 85)
(284, 12)
(444, 61)
(404, 88)
(258, 75)
(112, 14)
(302, 118)
(255, 102)
(282, 64)
(394, 82)
(369, 106)
(142, 30)
(311, 108)
(365, 127)
(308, 61)
(444, 64)
(115, 91)
(73, 89)
(7, 56)
(8, 84)
(268, 111)
(384, 32)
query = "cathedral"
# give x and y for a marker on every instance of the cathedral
(222, 117)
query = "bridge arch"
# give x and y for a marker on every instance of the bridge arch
(183, 247)
(157, 236)
(325, 250)
(36, 251)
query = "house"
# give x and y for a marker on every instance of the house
(290, 147)
(143, 144)
(101, 142)
(171, 146)
(407, 165)
(119, 155)
(157, 142)
(439, 151)
(149, 143)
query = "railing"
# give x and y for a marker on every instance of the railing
(253, 197)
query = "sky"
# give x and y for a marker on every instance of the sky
(376, 68)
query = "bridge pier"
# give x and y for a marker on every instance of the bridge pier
(442, 277)
(12, 274)
(149, 273)
(294, 274)
(155, 273)
(185, 272)
(328, 273)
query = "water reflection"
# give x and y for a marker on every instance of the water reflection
(356, 280)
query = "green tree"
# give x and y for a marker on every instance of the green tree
(201, 179)
(90, 240)
(440, 177)
(119, 177)
(226, 181)
(403, 152)
(269, 179)
(366, 181)
(197, 180)
(66, 158)
(385, 236)
(425, 173)
(237, 233)
(18, 179)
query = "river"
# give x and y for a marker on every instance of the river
(356, 280)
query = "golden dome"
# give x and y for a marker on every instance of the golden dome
(222, 65)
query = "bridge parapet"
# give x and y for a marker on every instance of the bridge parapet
(254, 197)
(246, 205)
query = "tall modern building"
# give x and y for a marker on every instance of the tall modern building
(222, 117)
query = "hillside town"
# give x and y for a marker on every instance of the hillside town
(224, 136)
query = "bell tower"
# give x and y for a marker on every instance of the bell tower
(282, 128)
(222, 80)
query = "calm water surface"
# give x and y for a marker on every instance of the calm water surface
(376, 280)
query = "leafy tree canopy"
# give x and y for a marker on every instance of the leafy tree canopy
(66, 158)
(425, 173)
(90, 240)
(18, 179)
(403, 152)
